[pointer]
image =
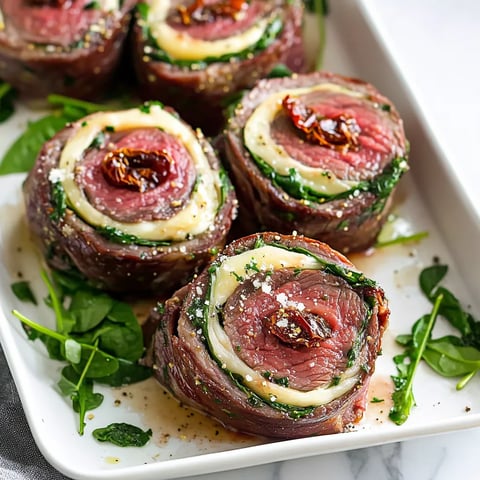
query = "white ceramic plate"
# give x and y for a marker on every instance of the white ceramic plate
(184, 442)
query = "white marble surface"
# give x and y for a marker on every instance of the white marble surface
(436, 44)
(443, 457)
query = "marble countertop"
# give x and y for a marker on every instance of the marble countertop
(435, 44)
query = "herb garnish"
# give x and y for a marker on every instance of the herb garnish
(99, 338)
(123, 435)
(7, 96)
(23, 291)
(449, 356)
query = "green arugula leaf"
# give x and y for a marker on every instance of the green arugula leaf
(403, 399)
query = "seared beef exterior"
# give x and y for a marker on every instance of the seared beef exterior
(316, 153)
(216, 54)
(71, 47)
(278, 337)
(135, 200)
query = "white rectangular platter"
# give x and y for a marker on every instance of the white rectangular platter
(184, 442)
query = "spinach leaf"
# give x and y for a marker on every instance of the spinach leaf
(279, 71)
(21, 155)
(127, 373)
(403, 399)
(88, 308)
(123, 435)
(98, 336)
(449, 356)
(122, 335)
(7, 96)
(23, 292)
(430, 277)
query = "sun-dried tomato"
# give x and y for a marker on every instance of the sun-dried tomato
(198, 12)
(136, 169)
(339, 132)
(298, 328)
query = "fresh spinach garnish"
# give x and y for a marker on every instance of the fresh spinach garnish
(98, 337)
(123, 435)
(449, 356)
(23, 291)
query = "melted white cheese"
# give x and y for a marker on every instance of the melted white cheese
(198, 215)
(224, 282)
(109, 5)
(181, 46)
(258, 139)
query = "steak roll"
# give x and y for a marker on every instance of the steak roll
(317, 153)
(71, 47)
(194, 54)
(134, 199)
(278, 337)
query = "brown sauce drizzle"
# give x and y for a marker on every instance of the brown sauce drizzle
(298, 328)
(198, 12)
(339, 132)
(136, 169)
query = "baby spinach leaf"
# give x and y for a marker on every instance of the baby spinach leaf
(123, 435)
(123, 337)
(403, 398)
(449, 356)
(23, 292)
(21, 155)
(127, 373)
(88, 308)
(430, 277)
(7, 96)
(97, 335)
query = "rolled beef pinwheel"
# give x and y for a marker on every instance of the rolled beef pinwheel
(71, 47)
(134, 199)
(278, 337)
(192, 54)
(317, 153)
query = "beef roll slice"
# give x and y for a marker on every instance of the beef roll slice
(317, 153)
(134, 199)
(70, 47)
(278, 337)
(193, 54)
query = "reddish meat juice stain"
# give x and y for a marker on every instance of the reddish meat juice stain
(379, 399)
(170, 419)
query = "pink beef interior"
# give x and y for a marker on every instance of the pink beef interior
(312, 291)
(127, 205)
(26, 22)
